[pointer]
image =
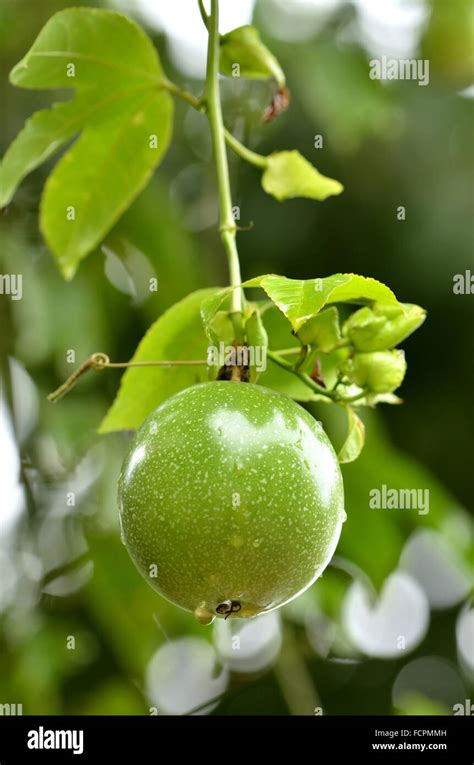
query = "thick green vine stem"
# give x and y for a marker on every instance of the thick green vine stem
(228, 228)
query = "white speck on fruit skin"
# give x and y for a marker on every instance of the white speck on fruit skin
(253, 442)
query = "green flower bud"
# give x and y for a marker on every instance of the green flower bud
(380, 327)
(380, 372)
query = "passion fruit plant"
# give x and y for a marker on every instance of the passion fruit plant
(231, 496)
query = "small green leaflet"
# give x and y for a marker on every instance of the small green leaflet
(288, 174)
(257, 338)
(322, 331)
(177, 334)
(354, 442)
(243, 47)
(221, 329)
(299, 300)
(125, 116)
(279, 336)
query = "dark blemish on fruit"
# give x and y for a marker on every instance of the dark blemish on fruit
(228, 607)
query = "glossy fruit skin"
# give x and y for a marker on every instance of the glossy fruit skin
(234, 493)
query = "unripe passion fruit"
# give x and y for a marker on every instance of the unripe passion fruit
(231, 500)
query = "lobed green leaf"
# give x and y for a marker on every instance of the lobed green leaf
(122, 109)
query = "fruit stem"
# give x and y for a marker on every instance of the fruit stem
(228, 228)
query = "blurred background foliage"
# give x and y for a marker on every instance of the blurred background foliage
(80, 631)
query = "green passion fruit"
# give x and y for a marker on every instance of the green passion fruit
(231, 500)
